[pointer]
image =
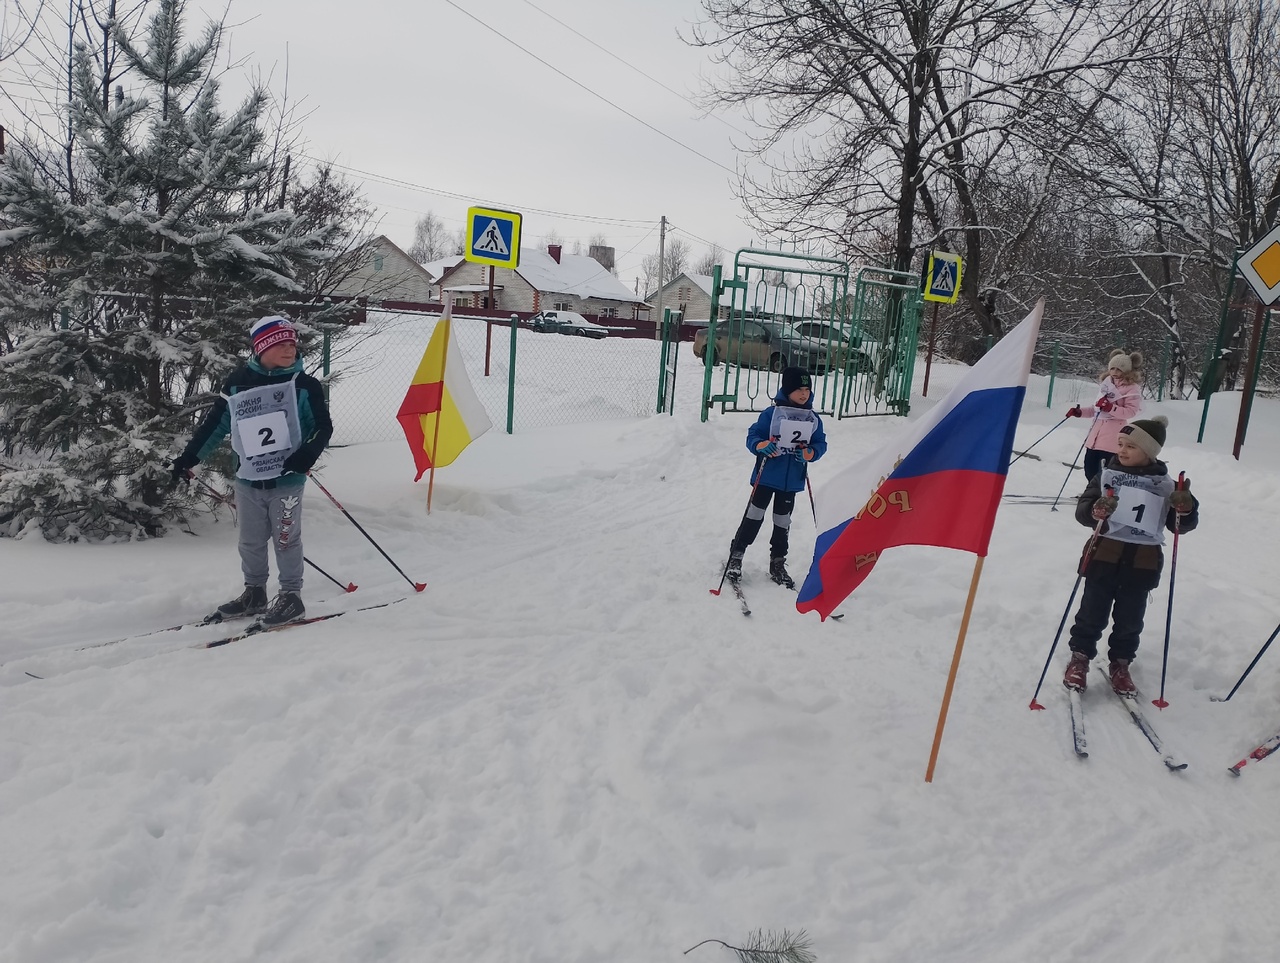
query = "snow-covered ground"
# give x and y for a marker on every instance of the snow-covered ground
(566, 749)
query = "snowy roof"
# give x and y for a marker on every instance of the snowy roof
(576, 274)
(770, 298)
(437, 268)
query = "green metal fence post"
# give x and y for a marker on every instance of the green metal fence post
(662, 360)
(717, 282)
(325, 359)
(511, 376)
(1053, 373)
(1165, 354)
(64, 323)
(1218, 345)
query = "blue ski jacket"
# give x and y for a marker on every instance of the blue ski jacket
(785, 472)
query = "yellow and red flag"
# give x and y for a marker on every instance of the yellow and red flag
(441, 413)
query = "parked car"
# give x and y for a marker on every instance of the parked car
(567, 322)
(841, 348)
(759, 343)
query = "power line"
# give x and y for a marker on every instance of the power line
(642, 73)
(422, 188)
(593, 93)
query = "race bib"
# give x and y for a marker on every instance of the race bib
(1139, 509)
(264, 434)
(793, 428)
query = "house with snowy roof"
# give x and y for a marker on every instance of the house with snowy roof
(381, 271)
(692, 294)
(549, 280)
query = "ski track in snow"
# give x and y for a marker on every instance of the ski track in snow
(567, 749)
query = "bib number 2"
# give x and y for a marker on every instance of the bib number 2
(264, 434)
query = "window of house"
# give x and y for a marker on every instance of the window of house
(460, 301)
(561, 306)
(608, 312)
(683, 295)
(377, 262)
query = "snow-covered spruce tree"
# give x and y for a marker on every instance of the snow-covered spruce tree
(161, 249)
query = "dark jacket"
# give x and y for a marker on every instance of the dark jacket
(785, 472)
(313, 415)
(1143, 562)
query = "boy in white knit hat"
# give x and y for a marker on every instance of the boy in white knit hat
(1122, 566)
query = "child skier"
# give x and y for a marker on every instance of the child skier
(279, 424)
(785, 438)
(1120, 398)
(1123, 563)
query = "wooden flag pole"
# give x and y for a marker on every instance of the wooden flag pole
(955, 666)
(435, 435)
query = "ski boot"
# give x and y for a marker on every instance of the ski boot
(733, 571)
(778, 572)
(252, 601)
(1121, 682)
(285, 607)
(1077, 674)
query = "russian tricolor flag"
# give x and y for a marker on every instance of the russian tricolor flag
(940, 484)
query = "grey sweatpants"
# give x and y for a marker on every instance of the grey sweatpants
(271, 515)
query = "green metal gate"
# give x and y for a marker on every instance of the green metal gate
(795, 309)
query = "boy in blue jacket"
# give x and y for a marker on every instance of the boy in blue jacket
(279, 424)
(785, 438)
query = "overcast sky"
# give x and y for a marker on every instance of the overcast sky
(419, 92)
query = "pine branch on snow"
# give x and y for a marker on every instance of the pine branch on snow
(770, 947)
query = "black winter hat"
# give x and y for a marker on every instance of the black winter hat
(793, 378)
(1147, 433)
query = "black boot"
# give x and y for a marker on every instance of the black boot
(734, 570)
(285, 607)
(778, 572)
(250, 602)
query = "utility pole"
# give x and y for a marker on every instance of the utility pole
(662, 253)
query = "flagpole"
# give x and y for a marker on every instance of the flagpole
(955, 666)
(435, 435)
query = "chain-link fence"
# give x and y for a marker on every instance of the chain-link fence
(372, 365)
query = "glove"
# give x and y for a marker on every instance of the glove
(1076, 412)
(803, 455)
(180, 469)
(1104, 506)
(1181, 501)
(299, 463)
(768, 448)
(1104, 404)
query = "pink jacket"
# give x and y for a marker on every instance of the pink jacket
(1126, 401)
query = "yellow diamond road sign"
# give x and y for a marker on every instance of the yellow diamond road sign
(1261, 267)
(493, 237)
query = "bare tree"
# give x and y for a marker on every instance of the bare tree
(1189, 160)
(711, 257)
(431, 239)
(872, 111)
(675, 258)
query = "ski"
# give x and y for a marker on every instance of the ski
(1078, 741)
(742, 599)
(1130, 704)
(212, 619)
(1258, 754)
(258, 628)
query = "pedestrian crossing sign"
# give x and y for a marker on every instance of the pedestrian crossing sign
(493, 237)
(942, 277)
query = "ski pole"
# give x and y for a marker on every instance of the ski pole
(1265, 645)
(812, 507)
(1043, 437)
(754, 485)
(349, 587)
(1168, 615)
(1054, 507)
(417, 586)
(1084, 564)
